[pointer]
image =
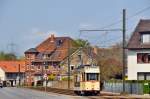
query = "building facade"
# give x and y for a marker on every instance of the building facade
(80, 56)
(46, 57)
(138, 57)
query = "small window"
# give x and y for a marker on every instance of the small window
(38, 67)
(45, 56)
(145, 38)
(46, 67)
(72, 67)
(32, 67)
(27, 66)
(143, 57)
(27, 56)
(143, 75)
(59, 42)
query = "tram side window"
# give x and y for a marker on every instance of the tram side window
(77, 82)
(75, 78)
(83, 76)
(92, 76)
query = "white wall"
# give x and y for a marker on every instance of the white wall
(2, 74)
(133, 67)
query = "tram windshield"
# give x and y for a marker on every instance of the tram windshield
(92, 76)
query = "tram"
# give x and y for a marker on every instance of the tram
(87, 80)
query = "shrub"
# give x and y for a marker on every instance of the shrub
(65, 79)
(51, 77)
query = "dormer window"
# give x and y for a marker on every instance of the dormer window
(146, 38)
(59, 42)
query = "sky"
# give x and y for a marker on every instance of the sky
(26, 23)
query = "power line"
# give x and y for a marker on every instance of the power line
(137, 13)
(111, 40)
(11, 47)
(106, 30)
(117, 22)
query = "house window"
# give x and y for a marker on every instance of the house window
(27, 66)
(143, 76)
(46, 67)
(145, 38)
(143, 57)
(27, 56)
(59, 42)
(72, 67)
(45, 56)
(38, 67)
(32, 67)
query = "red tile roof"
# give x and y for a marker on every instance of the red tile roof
(56, 47)
(50, 44)
(12, 66)
(135, 40)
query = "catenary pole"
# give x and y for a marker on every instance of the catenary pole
(124, 44)
(68, 64)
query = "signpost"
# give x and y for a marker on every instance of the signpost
(45, 78)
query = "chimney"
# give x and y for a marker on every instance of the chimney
(52, 38)
(95, 49)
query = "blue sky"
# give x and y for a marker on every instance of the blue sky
(26, 23)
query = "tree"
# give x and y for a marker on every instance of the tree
(110, 61)
(51, 77)
(7, 56)
(21, 58)
(82, 43)
(110, 68)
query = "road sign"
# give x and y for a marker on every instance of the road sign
(45, 76)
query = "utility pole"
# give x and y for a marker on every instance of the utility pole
(68, 64)
(19, 73)
(43, 64)
(124, 44)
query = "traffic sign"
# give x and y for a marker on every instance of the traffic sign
(45, 76)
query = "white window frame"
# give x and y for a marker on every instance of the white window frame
(145, 38)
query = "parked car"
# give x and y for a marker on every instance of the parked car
(1, 85)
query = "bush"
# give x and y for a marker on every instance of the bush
(65, 79)
(51, 77)
(130, 81)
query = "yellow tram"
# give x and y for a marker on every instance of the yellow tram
(87, 80)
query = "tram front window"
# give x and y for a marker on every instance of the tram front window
(92, 76)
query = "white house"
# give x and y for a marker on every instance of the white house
(12, 72)
(2, 74)
(138, 56)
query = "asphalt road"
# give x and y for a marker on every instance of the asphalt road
(21, 93)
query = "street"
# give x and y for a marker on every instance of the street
(21, 93)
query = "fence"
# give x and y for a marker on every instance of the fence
(130, 87)
(109, 86)
(59, 84)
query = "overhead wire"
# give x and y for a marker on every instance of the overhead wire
(137, 13)
(117, 22)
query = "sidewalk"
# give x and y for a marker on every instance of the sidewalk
(117, 95)
(139, 96)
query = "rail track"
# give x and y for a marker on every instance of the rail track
(71, 92)
(55, 90)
